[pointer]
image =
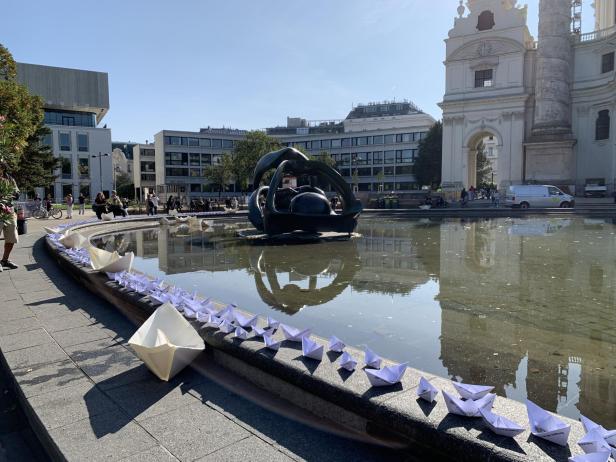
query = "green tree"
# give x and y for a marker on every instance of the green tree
(428, 164)
(21, 113)
(222, 173)
(484, 167)
(124, 186)
(380, 177)
(37, 163)
(247, 153)
(325, 157)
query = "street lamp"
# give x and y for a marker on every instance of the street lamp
(100, 165)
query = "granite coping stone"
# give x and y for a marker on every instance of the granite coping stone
(23, 340)
(428, 428)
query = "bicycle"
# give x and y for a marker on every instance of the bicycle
(41, 212)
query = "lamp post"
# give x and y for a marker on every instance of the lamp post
(100, 165)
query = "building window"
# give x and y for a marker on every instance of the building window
(82, 142)
(65, 141)
(483, 79)
(325, 144)
(67, 172)
(205, 142)
(377, 157)
(336, 144)
(390, 139)
(404, 156)
(217, 144)
(195, 159)
(404, 170)
(607, 62)
(195, 187)
(227, 144)
(84, 168)
(602, 128)
(346, 142)
(390, 157)
(378, 139)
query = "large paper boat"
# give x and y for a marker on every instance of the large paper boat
(547, 426)
(74, 241)
(166, 342)
(110, 262)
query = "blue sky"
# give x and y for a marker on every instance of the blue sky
(187, 64)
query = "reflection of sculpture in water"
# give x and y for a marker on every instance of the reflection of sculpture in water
(341, 265)
(278, 210)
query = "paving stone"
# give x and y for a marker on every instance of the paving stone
(69, 404)
(108, 364)
(102, 437)
(152, 397)
(33, 356)
(79, 335)
(194, 431)
(24, 340)
(44, 378)
(45, 311)
(19, 325)
(68, 321)
(11, 312)
(155, 454)
(43, 296)
(252, 449)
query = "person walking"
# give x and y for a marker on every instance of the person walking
(8, 218)
(69, 206)
(155, 201)
(82, 204)
(496, 196)
(463, 197)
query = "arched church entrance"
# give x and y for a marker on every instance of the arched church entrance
(482, 163)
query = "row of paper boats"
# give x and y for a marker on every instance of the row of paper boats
(192, 222)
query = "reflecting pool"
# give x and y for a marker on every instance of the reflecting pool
(525, 304)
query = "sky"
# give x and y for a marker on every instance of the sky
(187, 64)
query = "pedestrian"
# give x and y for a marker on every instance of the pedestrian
(463, 197)
(496, 196)
(69, 206)
(155, 204)
(170, 204)
(48, 203)
(82, 204)
(100, 205)
(8, 218)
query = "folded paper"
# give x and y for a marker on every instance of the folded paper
(110, 262)
(293, 334)
(594, 441)
(547, 426)
(107, 216)
(389, 375)
(372, 359)
(240, 333)
(311, 349)
(272, 323)
(51, 230)
(426, 390)
(500, 425)
(245, 321)
(468, 407)
(271, 343)
(226, 327)
(594, 457)
(260, 331)
(473, 392)
(166, 342)
(227, 312)
(74, 241)
(335, 344)
(348, 362)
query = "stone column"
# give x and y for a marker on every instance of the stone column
(553, 82)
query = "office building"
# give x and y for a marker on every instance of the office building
(75, 102)
(144, 169)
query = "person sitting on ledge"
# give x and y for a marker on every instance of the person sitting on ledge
(117, 207)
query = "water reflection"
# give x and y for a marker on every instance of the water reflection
(527, 305)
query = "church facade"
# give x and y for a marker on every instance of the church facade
(549, 104)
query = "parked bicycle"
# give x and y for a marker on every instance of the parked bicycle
(40, 212)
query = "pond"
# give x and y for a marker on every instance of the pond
(525, 304)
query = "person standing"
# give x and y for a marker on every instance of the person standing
(82, 204)
(463, 197)
(170, 204)
(155, 201)
(69, 206)
(8, 218)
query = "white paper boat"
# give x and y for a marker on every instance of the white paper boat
(272, 323)
(271, 343)
(473, 392)
(214, 321)
(110, 262)
(181, 219)
(348, 362)
(261, 332)
(173, 213)
(164, 222)
(245, 321)
(107, 216)
(594, 457)
(426, 390)
(311, 349)
(227, 312)
(468, 408)
(166, 342)
(389, 375)
(547, 426)
(500, 425)
(335, 344)
(240, 333)
(594, 441)
(51, 230)
(293, 334)
(189, 313)
(226, 327)
(74, 241)
(371, 359)
(589, 425)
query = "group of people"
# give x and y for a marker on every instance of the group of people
(209, 205)
(151, 204)
(484, 193)
(113, 205)
(70, 202)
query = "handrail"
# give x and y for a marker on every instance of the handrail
(595, 35)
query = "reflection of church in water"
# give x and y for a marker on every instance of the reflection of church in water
(502, 332)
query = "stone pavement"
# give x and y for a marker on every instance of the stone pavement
(95, 399)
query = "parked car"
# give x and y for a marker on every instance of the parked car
(526, 196)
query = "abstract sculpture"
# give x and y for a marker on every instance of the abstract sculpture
(276, 210)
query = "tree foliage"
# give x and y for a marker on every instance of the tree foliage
(428, 164)
(21, 113)
(247, 153)
(124, 186)
(37, 163)
(222, 173)
(484, 167)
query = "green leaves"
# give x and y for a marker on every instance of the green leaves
(428, 164)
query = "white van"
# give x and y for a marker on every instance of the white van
(542, 196)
